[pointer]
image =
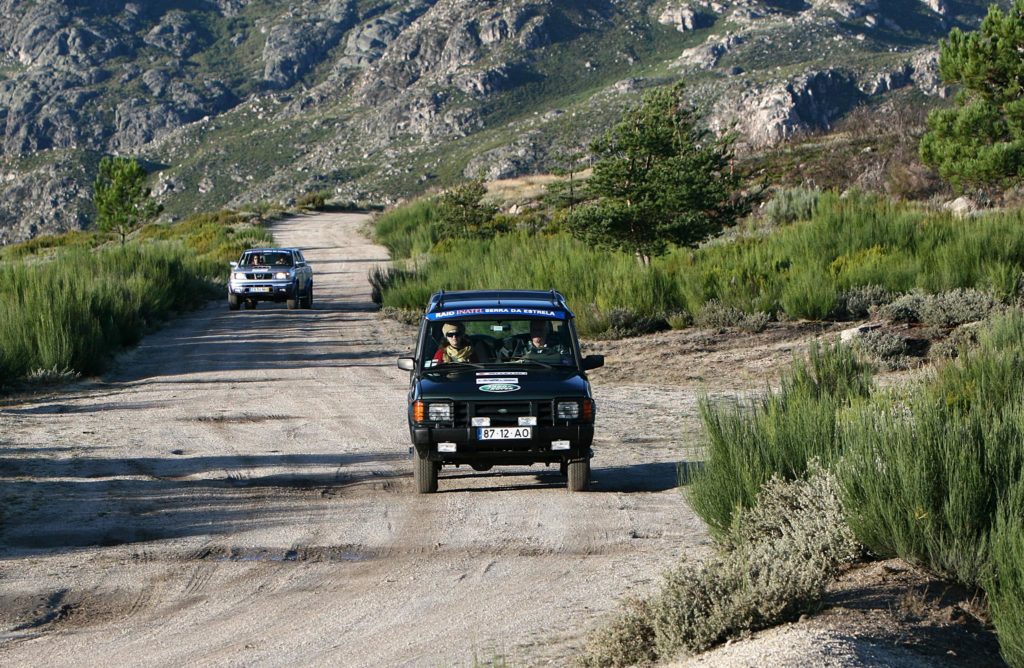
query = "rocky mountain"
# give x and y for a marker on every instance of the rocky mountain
(231, 102)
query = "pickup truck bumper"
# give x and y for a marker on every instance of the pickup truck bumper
(263, 290)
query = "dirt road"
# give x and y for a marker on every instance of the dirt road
(238, 491)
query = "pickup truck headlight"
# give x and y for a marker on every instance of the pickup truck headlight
(439, 412)
(239, 276)
(281, 275)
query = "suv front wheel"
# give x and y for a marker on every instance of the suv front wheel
(425, 473)
(578, 471)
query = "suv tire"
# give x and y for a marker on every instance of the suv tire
(307, 301)
(233, 303)
(425, 474)
(579, 474)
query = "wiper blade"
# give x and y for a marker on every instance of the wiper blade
(543, 365)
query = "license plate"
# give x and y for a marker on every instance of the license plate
(503, 433)
(260, 289)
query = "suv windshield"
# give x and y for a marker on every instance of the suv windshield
(498, 342)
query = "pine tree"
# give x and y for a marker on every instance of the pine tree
(980, 142)
(462, 212)
(121, 197)
(659, 180)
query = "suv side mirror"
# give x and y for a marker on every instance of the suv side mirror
(233, 264)
(593, 362)
(406, 363)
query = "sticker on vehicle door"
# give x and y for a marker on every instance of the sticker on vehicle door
(499, 387)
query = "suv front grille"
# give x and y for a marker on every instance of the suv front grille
(502, 412)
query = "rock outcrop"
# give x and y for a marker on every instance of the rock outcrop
(238, 101)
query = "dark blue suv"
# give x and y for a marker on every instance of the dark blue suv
(498, 379)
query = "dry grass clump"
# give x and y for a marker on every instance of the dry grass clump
(530, 187)
(773, 565)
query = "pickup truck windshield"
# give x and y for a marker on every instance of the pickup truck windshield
(267, 259)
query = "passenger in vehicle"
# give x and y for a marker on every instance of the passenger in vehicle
(456, 347)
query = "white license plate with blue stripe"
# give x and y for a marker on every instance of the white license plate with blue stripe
(503, 433)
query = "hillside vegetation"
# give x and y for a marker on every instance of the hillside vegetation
(68, 303)
(230, 102)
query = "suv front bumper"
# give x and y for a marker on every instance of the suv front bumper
(538, 449)
(263, 290)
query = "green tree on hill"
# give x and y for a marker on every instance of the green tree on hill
(121, 197)
(659, 180)
(462, 213)
(980, 141)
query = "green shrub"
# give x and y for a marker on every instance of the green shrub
(679, 319)
(884, 347)
(792, 204)
(779, 433)
(314, 201)
(71, 313)
(923, 474)
(716, 315)
(1005, 582)
(624, 322)
(959, 340)
(755, 322)
(777, 559)
(383, 278)
(905, 308)
(408, 230)
(403, 315)
(628, 640)
(857, 302)
(842, 262)
(957, 307)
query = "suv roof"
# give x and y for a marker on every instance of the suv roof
(463, 300)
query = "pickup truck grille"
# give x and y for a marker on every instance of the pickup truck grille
(503, 412)
(259, 276)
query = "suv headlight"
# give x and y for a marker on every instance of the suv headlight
(281, 275)
(567, 410)
(439, 412)
(239, 276)
(580, 409)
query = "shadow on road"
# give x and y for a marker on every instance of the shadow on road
(268, 338)
(52, 505)
(651, 477)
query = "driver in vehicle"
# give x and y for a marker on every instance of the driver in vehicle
(456, 347)
(540, 348)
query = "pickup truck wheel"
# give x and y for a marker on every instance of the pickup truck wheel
(482, 467)
(292, 304)
(307, 301)
(425, 473)
(233, 302)
(579, 474)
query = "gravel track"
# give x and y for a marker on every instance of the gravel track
(238, 491)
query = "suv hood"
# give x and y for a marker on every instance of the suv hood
(483, 384)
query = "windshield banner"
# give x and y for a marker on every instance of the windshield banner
(496, 310)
